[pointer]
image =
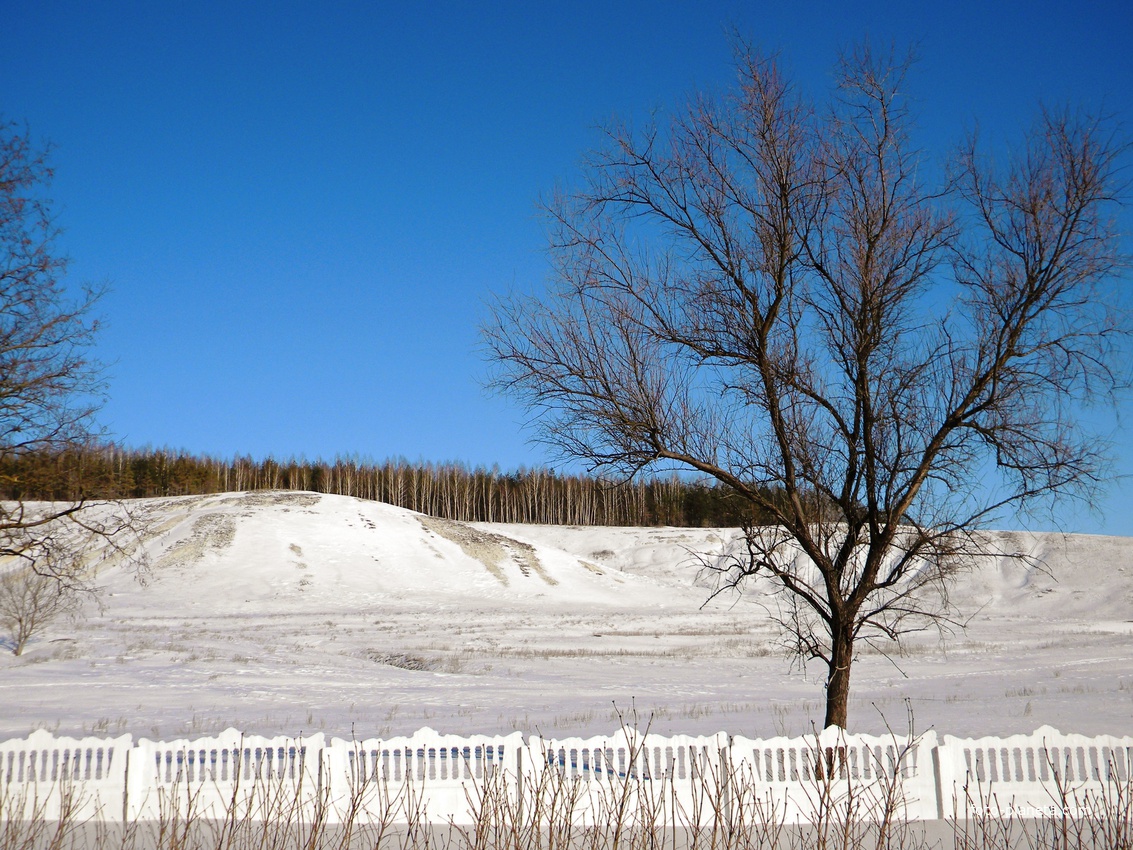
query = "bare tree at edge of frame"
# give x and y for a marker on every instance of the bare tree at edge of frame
(772, 293)
(50, 389)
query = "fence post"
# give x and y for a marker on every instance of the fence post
(319, 779)
(939, 784)
(519, 782)
(140, 767)
(726, 783)
(126, 789)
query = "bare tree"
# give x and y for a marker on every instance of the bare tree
(881, 355)
(30, 599)
(50, 388)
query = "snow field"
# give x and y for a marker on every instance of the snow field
(289, 613)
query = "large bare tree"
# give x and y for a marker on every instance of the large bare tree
(882, 352)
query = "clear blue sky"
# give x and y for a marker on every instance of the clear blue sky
(301, 207)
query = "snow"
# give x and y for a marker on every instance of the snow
(288, 613)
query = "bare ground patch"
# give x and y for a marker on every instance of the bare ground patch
(488, 548)
(277, 497)
(210, 532)
(482, 546)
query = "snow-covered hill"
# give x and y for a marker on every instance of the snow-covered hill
(283, 552)
(289, 612)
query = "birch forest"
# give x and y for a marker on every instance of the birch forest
(451, 490)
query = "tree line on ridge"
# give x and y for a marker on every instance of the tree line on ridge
(451, 490)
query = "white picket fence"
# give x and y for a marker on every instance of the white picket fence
(210, 774)
(678, 779)
(794, 777)
(1034, 772)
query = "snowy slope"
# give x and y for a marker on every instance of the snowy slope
(1059, 577)
(282, 552)
(290, 612)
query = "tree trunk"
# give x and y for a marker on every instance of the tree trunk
(838, 679)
